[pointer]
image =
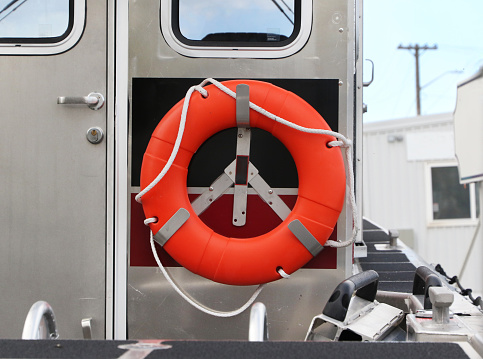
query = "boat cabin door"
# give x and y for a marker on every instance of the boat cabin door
(54, 103)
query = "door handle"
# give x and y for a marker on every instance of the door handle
(94, 100)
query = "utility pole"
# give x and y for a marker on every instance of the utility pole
(417, 52)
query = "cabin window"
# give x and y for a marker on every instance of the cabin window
(35, 21)
(451, 201)
(40, 27)
(238, 23)
(197, 27)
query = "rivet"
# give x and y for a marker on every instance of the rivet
(341, 30)
(270, 191)
(341, 83)
(211, 189)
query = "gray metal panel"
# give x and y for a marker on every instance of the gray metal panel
(325, 55)
(53, 192)
(157, 311)
(154, 310)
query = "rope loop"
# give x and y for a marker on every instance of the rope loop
(201, 90)
(336, 144)
(282, 273)
(344, 143)
(148, 221)
(193, 301)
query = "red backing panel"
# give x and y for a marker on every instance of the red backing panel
(260, 219)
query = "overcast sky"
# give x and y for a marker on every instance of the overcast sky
(456, 27)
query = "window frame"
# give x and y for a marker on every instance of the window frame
(432, 222)
(196, 48)
(49, 45)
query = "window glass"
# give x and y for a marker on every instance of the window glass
(451, 200)
(252, 21)
(35, 20)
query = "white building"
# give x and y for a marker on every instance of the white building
(411, 183)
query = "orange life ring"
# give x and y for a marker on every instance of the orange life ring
(244, 261)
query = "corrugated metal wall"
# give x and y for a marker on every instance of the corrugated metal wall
(395, 193)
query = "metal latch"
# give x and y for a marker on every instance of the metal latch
(94, 100)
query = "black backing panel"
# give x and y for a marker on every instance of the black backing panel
(152, 98)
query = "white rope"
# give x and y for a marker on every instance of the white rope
(190, 299)
(341, 142)
(177, 143)
(282, 273)
(148, 221)
(352, 199)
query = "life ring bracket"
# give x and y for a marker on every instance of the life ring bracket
(305, 237)
(171, 226)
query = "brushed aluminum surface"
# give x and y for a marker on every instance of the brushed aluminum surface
(155, 310)
(53, 193)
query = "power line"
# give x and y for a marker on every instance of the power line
(9, 5)
(283, 11)
(443, 74)
(288, 7)
(417, 52)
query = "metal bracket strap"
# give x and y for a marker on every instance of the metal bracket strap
(217, 188)
(242, 155)
(242, 106)
(268, 194)
(305, 237)
(263, 189)
(241, 177)
(241, 172)
(171, 226)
